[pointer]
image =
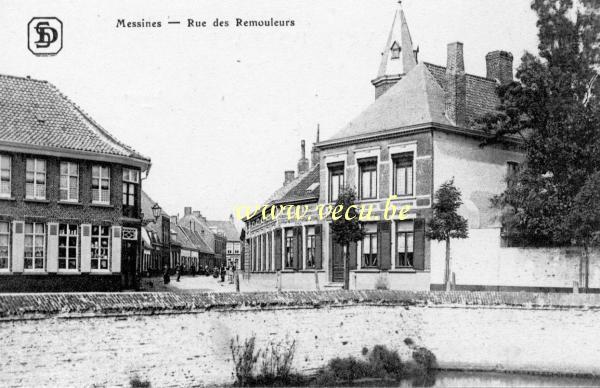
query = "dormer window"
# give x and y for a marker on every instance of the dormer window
(395, 49)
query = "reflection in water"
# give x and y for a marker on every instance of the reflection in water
(493, 379)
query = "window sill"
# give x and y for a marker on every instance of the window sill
(72, 203)
(7, 199)
(311, 270)
(403, 270)
(106, 205)
(34, 272)
(366, 270)
(100, 272)
(68, 272)
(36, 200)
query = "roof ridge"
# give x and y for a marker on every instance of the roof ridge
(467, 74)
(26, 78)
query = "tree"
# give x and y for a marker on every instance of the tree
(346, 229)
(554, 110)
(446, 222)
(584, 220)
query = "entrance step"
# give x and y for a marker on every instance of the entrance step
(334, 286)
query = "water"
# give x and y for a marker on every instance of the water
(494, 379)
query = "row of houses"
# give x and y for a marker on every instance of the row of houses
(73, 215)
(420, 131)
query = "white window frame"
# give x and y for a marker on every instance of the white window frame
(101, 200)
(36, 171)
(99, 236)
(7, 234)
(7, 158)
(399, 149)
(67, 257)
(68, 187)
(33, 235)
(362, 245)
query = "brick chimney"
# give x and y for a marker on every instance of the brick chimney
(499, 66)
(289, 176)
(314, 153)
(187, 211)
(175, 219)
(456, 85)
(303, 162)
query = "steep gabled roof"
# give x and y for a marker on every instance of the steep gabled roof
(228, 228)
(400, 39)
(303, 189)
(416, 99)
(147, 204)
(35, 113)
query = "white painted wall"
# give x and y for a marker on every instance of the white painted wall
(479, 260)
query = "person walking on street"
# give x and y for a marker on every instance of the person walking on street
(223, 273)
(178, 271)
(166, 276)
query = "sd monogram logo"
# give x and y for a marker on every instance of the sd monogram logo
(44, 35)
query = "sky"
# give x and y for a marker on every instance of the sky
(221, 111)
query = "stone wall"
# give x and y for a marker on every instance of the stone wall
(184, 340)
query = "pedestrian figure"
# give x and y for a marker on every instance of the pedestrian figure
(178, 271)
(223, 273)
(193, 271)
(166, 276)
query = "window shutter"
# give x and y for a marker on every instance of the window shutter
(278, 252)
(86, 248)
(116, 249)
(352, 255)
(52, 247)
(318, 247)
(419, 244)
(384, 245)
(298, 252)
(18, 247)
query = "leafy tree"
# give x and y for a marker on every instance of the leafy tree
(584, 220)
(446, 222)
(346, 229)
(554, 110)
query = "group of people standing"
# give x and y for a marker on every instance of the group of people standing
(216, 272)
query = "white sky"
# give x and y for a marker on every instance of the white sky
(221, 111)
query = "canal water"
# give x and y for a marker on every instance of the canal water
(494, 379)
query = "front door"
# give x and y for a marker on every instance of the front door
(337, 256)
(128, 262)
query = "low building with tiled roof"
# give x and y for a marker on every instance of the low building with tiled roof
(232, 234)
(70, 195)
(420, 131)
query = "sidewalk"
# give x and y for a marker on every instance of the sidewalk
(196, 284)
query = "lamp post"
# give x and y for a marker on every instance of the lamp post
(157, 213)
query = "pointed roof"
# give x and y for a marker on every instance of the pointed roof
(416, 99)
(36, 114)
(399, 37)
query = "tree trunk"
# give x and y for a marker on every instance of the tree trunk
(236, 279)
(317, 279)
(346, 268)
(447, 274)
(586, 277)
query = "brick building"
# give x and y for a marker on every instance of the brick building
(419, 132)
(231, 233)
(212, 236)
(69, 195)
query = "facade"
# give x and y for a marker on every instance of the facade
(419, 132)
(234, 244)
(69, 195)
(214, 238)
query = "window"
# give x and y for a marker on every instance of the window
(368, 179)
(289, 251)
(512, 169)
(404, 244)
(403, 174)
(5, 165)
(336, 181)
(35, 178)
(68, 234)
(100, 247)
(35, 244)
(100, 184)
(395, 49)
(4, 245)
(69, 182)
(131, 178)
(369, 245)
(310, 247)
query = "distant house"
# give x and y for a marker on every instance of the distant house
(69, 195)
(216, 240)
(230, 231)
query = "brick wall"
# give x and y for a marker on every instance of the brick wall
(464, 330)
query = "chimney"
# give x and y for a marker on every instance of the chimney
(456, 85)
(499, 66)
(314, 153)
(303, 162)
(289, 176)
(175, 219)
(197, 214)
(187, 211)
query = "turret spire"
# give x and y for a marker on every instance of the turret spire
(398, 56)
